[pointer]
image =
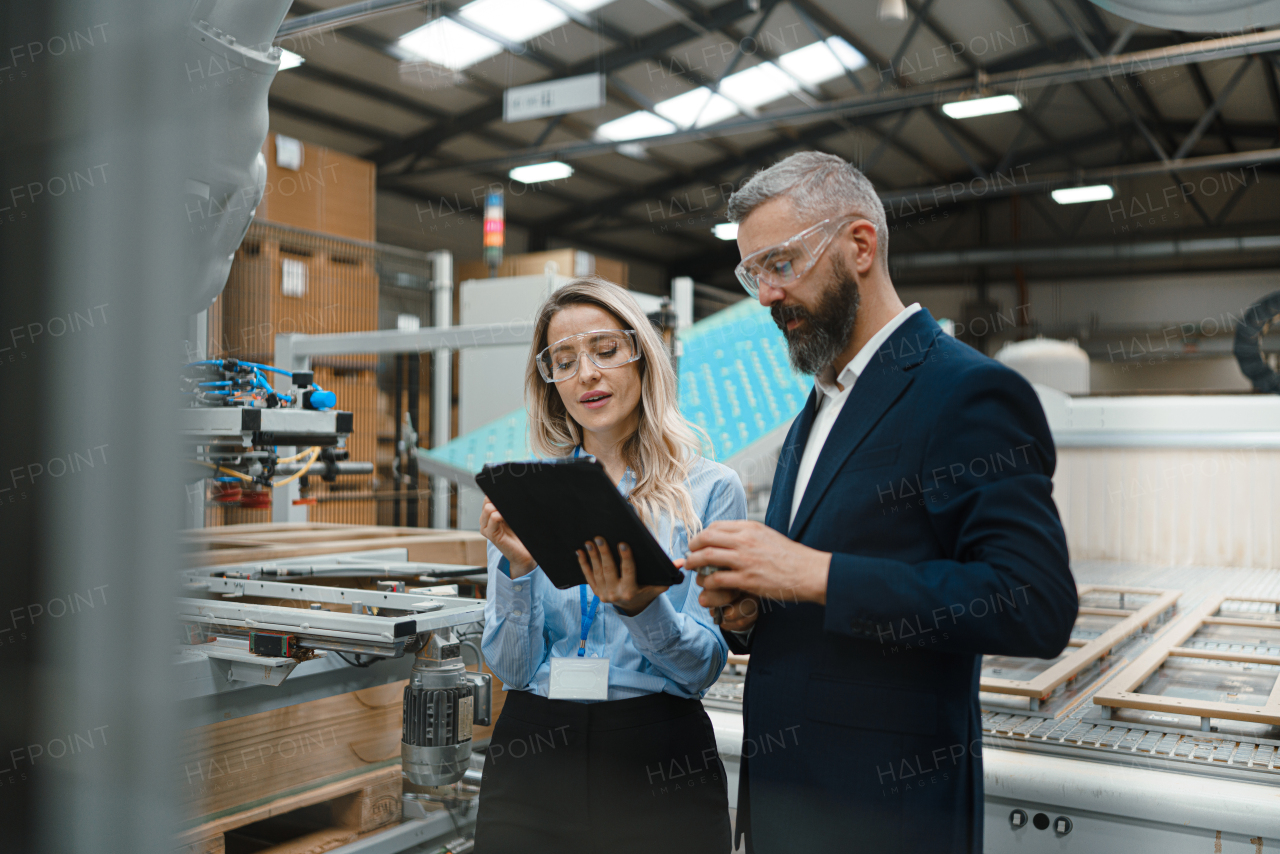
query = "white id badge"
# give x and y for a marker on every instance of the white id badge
(579, 678)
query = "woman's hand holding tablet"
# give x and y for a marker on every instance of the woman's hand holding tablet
(553, 507)
(616, 587)
(498, 532)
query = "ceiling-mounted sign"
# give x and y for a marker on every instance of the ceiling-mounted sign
(553, 98)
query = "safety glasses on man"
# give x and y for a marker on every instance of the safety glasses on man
(780, 265)
(606, 348)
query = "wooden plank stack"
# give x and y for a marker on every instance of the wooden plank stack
(262, 542)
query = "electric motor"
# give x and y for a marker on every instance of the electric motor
(439, 710)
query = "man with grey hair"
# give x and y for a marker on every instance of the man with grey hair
(910, 531)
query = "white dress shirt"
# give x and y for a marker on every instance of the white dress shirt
(831, 400)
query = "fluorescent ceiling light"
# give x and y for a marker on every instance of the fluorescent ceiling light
(447, 43)
(289, 59)
(758, 85)
(982, 106)
(822, 61)
(514, 20)
(701, 105)
(725, 230)
(1076, 195)
(637, 125)
(537, 172)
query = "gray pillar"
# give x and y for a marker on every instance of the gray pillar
(90, 495)
(441, 378)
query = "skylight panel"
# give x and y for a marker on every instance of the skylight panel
(637, 125)
(758, 85)
(849, 55)
(447, 43)
(700, 105)
(822, 61)
(514, 20)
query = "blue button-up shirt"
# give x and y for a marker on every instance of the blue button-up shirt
(672, 645)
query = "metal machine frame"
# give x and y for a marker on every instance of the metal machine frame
(1122, 691)
(1088, 652)
(295, 352)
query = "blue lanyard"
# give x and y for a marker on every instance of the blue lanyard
(588, 614)
(588, 617)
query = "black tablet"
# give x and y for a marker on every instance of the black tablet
(555, 506)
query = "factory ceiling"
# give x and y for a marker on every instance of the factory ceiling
(698, 95)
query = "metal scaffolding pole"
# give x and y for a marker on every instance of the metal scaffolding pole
(441, 378)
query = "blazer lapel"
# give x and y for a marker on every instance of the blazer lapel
(882, 382)
(784, 477)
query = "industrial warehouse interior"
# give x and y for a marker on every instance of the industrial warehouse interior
(418, 414)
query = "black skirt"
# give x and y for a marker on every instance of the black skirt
(635, 775)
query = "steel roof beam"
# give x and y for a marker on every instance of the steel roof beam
(642, 49)
(1212, 111)
(1206, 98)
(930, 94)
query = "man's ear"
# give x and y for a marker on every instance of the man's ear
(862, 245)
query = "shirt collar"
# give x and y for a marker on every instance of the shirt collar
(825, 382)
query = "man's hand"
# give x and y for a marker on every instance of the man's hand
(616, 587)
(757, 560)
(739, 610)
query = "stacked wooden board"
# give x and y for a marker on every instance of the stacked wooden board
(263, 542)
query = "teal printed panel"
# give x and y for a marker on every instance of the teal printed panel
(735, 383)
(506, 438)
(735, 380)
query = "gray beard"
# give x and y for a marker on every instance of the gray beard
(824, 333)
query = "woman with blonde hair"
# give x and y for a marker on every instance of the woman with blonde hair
(638, 772)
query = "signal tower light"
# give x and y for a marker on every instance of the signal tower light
(494, 230)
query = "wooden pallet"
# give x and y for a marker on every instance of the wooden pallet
(1123, 691)
(351, 807)
(229, 766)
(1086, 653)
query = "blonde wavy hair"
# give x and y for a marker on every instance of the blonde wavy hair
(664, 448)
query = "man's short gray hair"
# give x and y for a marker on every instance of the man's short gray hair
(819, 186)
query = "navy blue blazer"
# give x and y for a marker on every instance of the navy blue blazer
(933, 495)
